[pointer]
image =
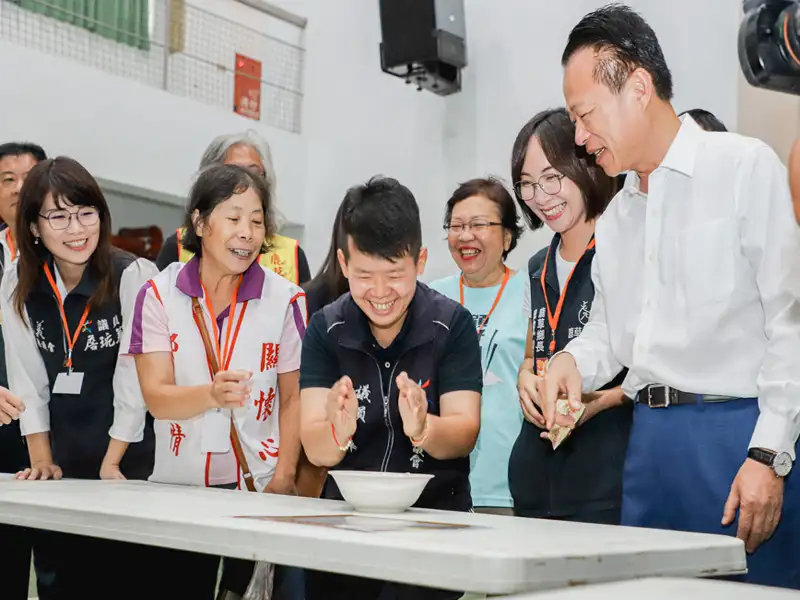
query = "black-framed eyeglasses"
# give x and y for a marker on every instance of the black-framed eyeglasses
(549, 182)
(60, 218)
(476, 227)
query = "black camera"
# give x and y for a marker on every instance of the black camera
(769, 45)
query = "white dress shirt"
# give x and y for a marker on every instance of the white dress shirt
(697, 283)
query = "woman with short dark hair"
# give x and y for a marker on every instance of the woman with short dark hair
(563, 474)
(217, 345)
(483, 227)
(251, 151)
(64, 305)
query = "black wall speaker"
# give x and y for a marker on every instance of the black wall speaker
(424, 42)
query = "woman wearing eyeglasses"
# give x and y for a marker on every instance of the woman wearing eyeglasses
(64, 305)
(482, 228)
(581, 480)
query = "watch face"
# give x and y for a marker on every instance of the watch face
(782, 464)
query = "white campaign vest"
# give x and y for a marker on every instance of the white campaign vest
(183, 447)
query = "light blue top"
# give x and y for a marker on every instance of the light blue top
(502, 352)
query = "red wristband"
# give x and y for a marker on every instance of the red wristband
(344, 448)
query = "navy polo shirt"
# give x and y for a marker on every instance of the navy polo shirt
(437, 346)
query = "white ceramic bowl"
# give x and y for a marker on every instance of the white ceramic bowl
(376, 492)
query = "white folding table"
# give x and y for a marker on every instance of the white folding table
(665, 589)
(457, 551)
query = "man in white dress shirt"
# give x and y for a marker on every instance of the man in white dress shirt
(697, 282)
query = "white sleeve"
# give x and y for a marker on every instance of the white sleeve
(27, 375)
(771, 242)
(130, 409)
(526, 299)
(294, 329)
(592, 348)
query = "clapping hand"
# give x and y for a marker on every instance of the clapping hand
(342, 410)
(413, 405)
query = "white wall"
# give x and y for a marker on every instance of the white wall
(124, 131)
(358, 121)
(771, 116)
(121, 129)
(515, 70)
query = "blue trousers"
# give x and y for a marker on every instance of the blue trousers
(680, 465)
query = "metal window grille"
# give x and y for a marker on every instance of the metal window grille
(196, 60)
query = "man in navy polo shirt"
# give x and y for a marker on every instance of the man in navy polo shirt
(390, 375)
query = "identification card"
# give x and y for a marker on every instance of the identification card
(216, 431)
(68, 383)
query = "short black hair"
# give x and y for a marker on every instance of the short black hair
(214, 185)
(707, 120)
(623, 42)
(382, 218)
(21, 149)
(556, 133)
(493, 190)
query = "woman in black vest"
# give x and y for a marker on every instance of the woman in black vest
(63, 309)
(556, 183)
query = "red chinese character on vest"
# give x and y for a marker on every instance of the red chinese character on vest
(277, 264)
(270, 449)
(176, 436)
(264, 404)
(269, 356)
(173, 339)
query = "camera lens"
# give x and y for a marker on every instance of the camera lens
(769, 49)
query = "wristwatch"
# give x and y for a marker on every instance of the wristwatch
(780, 462)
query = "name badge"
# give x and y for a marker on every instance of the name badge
(216, 431)
(68, 383)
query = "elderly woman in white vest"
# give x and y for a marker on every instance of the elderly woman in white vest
(217, 345)
(251, 151)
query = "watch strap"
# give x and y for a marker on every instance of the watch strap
(765, 457)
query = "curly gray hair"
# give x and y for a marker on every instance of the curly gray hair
(218, 148)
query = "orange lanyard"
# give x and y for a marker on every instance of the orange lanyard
(71, 339)
(10, 242)
(496, 299)
(224, 360)
(554, 318)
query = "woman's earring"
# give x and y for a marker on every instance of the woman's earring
(36, 240)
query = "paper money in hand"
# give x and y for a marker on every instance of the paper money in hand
(559, 432)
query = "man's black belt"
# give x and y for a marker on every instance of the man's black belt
(662, 396)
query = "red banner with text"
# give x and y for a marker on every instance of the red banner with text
(247, 87)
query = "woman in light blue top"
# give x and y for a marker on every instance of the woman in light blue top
(482, 228)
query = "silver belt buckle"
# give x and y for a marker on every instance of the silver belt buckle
(658, 401)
